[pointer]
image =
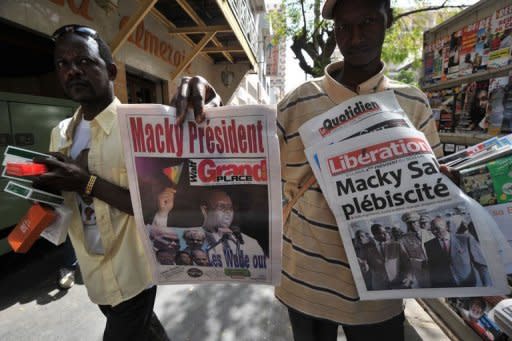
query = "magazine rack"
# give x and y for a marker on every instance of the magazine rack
(463, 56)
(445, 77)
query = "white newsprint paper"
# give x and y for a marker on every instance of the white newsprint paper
(206, 197)
(407, 229)
(357, 116)
(386, 207)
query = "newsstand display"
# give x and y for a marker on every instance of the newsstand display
(467, 78)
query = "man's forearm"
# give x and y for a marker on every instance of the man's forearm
(113, 195)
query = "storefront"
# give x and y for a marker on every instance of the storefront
(166, 40)
(154, 44)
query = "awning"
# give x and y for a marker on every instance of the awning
(224, 30)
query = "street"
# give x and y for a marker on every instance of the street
(32, 308)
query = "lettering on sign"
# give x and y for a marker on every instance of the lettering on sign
(149, 42)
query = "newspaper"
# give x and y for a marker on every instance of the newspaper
(465, 154)
(490, 185)
(206, 197)
(392, 205)
(383, 120)
(379, 183)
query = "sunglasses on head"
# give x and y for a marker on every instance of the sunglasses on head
(78, 29)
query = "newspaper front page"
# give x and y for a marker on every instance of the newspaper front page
(206, 197)
(383, 186)
(391, 203)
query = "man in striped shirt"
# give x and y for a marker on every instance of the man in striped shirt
(317, 284)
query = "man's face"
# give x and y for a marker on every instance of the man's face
(169, 241)
(183, 259)
(166, 257)
(476, 311)
(360, 28)
(380, 234)
(82, 73)
(195, 240)
(219, 213)
(413, 225)
(439, 228)
(364, 238)
(482, 99)
(200, 258)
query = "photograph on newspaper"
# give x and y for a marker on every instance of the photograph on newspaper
(380, 186)
(206, 196)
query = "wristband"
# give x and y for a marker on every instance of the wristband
(90, 185)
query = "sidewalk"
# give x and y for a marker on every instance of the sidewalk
(32, 308)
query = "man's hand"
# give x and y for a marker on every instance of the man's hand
(196, 93)
(363, 264)
(408, 281)
(64, 174)
(166, 201)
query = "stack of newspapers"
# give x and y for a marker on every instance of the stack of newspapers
(502, 314)
(486, 176)
(407, 229)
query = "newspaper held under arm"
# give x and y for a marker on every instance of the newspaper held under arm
(387, 185)
(393, 174)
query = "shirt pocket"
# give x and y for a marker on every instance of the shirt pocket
(120, 177)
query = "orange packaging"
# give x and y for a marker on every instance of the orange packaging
(30, 227)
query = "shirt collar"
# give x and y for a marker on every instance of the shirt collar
(338, 93)
(105, 119)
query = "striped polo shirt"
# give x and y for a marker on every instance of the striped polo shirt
(316, 278)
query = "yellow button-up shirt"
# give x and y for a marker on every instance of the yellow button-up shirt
(122, 271)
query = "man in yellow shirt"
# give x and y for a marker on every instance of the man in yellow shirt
(89, 170)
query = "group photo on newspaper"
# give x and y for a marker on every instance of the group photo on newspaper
(204, 197)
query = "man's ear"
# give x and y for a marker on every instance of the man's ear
(390, 17)
(112, 71)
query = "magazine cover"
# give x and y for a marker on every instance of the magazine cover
(437, 71)
(381, 187)
(475, 312)
(206, 197)
(428, 62)
(482, 45)
(453, 54)
(467, 53)
(500, 41)
(496, 108)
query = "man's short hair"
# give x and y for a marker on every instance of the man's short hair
(190, 233)
(376, 228)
